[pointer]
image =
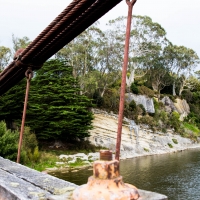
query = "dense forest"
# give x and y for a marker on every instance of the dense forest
(86, 73)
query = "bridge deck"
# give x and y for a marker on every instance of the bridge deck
(18, 182)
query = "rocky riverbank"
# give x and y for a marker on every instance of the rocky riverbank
(136, 141)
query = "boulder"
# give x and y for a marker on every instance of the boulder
(169, 104)
(142, 99)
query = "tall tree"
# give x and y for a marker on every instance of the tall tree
(81, 53)
(56, 109)
(147, 38)
(11, 104)
(5, 55)
(182, 61)
(159, 73)
(20, 43)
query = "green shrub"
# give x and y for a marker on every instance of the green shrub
(148, 120)
(30, 151)
(174, 141)
(111, 100)
(172, 98)
(163, 116)
(143, 109)
(97, 99)
(146, 91)
(29, 140)
(36, 154)
(8, 142)
(164, 130)
(191, 127)
(187, 95)
(174, 121)
(134, 88)
(147, 150)
(170, 145)
(156, 104)
(132, 105)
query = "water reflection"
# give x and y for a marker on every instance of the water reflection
(175, 175)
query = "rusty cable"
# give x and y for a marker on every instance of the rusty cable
(61, 33)
(75, 25)
(78, 26)
(46, 30)
(71, 14)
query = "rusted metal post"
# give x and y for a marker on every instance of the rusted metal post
(124, 71)
(29, 75)
(106, 182)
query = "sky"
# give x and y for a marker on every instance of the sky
(180, 18)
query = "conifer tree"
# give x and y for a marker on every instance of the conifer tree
(56, 110)
(11, 104)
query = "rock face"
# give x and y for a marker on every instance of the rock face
(182, 107)
(169, 104)
(142, 99)
(146, 142)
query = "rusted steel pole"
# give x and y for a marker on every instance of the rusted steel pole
(29, 75)
(124, 71)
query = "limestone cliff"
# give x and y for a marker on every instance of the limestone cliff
(141, 99)
(182, 107)
(146, 142)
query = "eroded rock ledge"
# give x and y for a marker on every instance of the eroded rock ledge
(134, 144)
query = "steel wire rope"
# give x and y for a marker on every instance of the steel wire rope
(70, 16)
(13, 79)
(14, 74)
(95, 14)
(46, 30)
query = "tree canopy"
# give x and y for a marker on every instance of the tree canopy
(55, 108)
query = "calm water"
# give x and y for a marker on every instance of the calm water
(176, 175)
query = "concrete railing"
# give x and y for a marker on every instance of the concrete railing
(18, 182)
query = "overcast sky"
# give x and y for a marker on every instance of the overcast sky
(180, 18)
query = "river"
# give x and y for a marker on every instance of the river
(177, 175)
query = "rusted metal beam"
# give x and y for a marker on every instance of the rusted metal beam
(124, 71)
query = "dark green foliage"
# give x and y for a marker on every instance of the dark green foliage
(111, 100)
(175, 141)
(11, 103)
(29, 151)
(187, 95)
(97, 99)
(134, 88)
(145, 91)
(174, 121)
(8, 142)
(156, 104)
(29, 140)
(56, 109)
(148, 120)
(170, 145)
(143, 109)
(132, 105)
(172, 98)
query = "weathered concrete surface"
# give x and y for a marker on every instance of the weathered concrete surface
(18, 182)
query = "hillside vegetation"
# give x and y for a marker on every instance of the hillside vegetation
(86, 73)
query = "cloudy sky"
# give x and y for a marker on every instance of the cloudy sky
(180, 18)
